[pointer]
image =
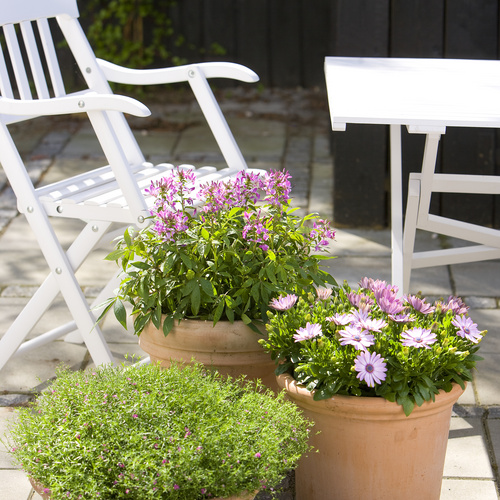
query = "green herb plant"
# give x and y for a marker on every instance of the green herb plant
(142, 432)
(219, 250)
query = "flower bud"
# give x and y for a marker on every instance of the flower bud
(190, 274)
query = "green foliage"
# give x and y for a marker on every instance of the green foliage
(223, 262)
(134, 33)
(326, 363)
(144, 432)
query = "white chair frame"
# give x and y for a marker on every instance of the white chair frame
(111, 194)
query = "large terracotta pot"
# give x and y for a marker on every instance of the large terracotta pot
(368, 448)
(232, 348)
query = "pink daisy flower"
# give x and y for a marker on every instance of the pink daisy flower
(418, 337)
(419, 304)
(309, 332)
(340, 319)
(283, 303)
(354, 335)
(370, 367)
(467, 329)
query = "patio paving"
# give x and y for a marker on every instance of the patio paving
(275, 130)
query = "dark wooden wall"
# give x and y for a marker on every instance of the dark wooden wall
(286, 41)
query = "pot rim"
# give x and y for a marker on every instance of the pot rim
(365, 407)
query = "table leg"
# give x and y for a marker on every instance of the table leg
(396, 208)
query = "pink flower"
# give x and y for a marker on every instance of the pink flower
(340, 319)
(309, 332)
(370, 367)
(283, 303)
(419, 304)
(467, 329)
(418, 337)
(323, 293)
(257, 455)
(354, 335)
(176, 487)
(456, 305)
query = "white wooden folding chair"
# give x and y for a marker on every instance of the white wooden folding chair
(31, 85)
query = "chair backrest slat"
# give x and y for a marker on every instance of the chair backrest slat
(51, 57)
(34, 60)
(5, 86)
(17, 62)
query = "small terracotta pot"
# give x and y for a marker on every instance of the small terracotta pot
(231, 348)
(46, 495)
(368, 447)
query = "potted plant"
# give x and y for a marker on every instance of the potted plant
(145, 432)
(201, 275)
(379, 374)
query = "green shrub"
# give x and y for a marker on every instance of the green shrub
(143, 432)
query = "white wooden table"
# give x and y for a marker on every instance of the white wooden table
(426, 96)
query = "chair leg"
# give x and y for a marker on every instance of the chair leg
(62, 279)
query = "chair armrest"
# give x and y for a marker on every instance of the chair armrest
(80, 103)
(175, 74)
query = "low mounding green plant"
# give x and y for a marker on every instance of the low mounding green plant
(218, 250)
(373, 342)
(143, 432)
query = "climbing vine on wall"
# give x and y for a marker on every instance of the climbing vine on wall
(135, 33)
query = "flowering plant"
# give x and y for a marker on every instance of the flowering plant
(218, 250)
(144, 432)
(372, 342)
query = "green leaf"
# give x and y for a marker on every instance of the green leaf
(140, 265)
(207, 287)
(156, 317)
(406, 403)
(246, 319)
(195, 300)
(218, 311)
(205, 234)
(127, 237)
(120, 313)
(115, 255)
(168, 324)
(187, 261)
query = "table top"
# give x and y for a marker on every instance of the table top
(424, 94)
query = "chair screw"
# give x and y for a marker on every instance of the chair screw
(191, 73)
(81, 104)
(140, 219)
(95, 228)
(58, 270)
(30, 209)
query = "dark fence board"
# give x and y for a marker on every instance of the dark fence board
(360, 153)
(471, 31)
(252, 40)
(285, 46)
(316, 41)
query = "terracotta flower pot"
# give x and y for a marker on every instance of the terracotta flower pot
(232, 348)
(368, 448)
(46, 494)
